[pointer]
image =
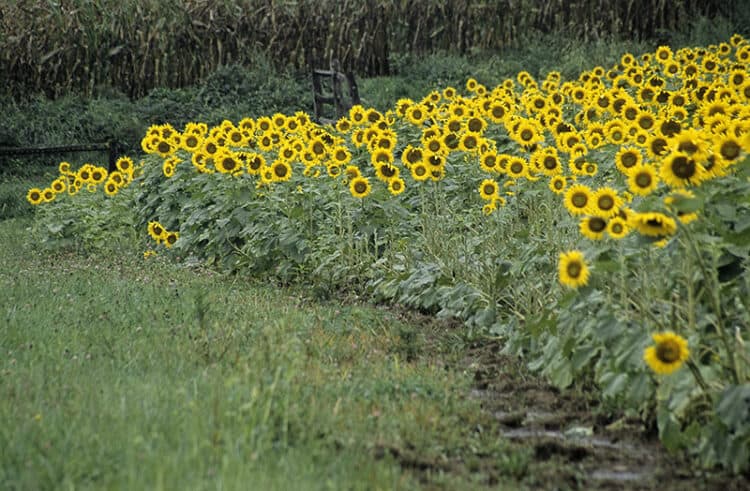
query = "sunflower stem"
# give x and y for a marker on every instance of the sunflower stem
(714, 292)
(697, 375)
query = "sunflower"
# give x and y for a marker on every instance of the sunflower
(111, 188)
(98, 175)
(35, 196)
(341, 155)
(617, 228)
(572, 269)
(488, 161)
(642, 179)
(728, 148)
(654, 224)
(592, 227)
(678, 170)
(517, 167)
(550, 162)
(48, 195)
(281, 170)
(469, 141)
(527, 133)
(411, 155)
(360, 187)
(645, 120)
(557, 184)
(255, 163)
(170, 238)
(489, 189)
(156, 231)
(168, 168)
(227, 162)
(657, 146)
(416, 114)
(578, 199)
(497, 112)
(663, 54)
(668, 353)
(420, 172)
(435, 145)
(605, 203)
(59, 185)
(396, 186)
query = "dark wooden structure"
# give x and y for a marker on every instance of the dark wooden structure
(110, 147)
(328, 90)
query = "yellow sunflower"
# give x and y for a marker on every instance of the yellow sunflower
(668, 353)
(572, 269)
(489, 189)
(360, 187)
(35, 196)
(642, 179)
(578, 199)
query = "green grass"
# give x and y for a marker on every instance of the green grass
(123, 374)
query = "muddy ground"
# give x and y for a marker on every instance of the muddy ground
(573, 445)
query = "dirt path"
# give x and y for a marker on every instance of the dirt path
(572, 447)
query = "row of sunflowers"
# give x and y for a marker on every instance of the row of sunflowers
(631, 151)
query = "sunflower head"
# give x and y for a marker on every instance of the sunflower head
(667, 354)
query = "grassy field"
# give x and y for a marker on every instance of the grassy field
(120, 374)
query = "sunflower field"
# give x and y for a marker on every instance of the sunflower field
(598, 226)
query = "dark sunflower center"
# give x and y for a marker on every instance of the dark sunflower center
(229, 164)
(318, 148)
(388, 170)
(617, 228)
(489, 189)
(475, 124)
(579, 200)
(516, 167)
(574, 269)
(730, 150)
(631, 113)
(527, 135)
(658, 146)
(191, 142)
(668, 351)
(490, 161)
(683, 167)
(280, 170)
(471, 142)
(420, 170)
(646, 123)
(597, 224)
(605, 203)
(498, 112)
(171, 239)
(360, 187)
(643, 180)
(628, 159)
(558, 184)
(550, 163)
(164, 147)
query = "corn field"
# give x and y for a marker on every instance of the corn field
(55, 47)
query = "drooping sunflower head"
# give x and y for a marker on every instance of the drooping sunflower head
(654, 224)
